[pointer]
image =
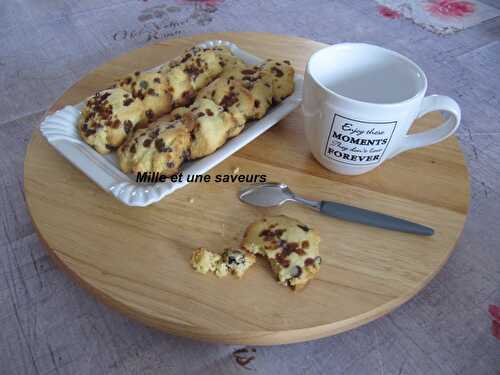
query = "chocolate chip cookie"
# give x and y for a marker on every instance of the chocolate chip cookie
(203, 67)
(179, 84)
(291, 247)
(228, 59)
(209, 125)
(161, 147)
(282, 74)
(152, 88)
(231, 95)
(196, 68)
(109, 117)
(258, 82)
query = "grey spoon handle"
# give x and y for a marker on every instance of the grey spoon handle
(375, 219)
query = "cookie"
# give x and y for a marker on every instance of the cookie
(231, 95)
(232, 261)
(161, 147)
(109, 117)
(225, 57)
(204, 261)
(203, 67)
(282, 77)
(179, 84)
(195, 69)
(178, 113)
(245, 92)
(209, 124)
(228, 59)
(259, 82)
(235, 262)
(291, 248)
(152, 88)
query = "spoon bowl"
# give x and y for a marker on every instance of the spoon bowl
(270, 194)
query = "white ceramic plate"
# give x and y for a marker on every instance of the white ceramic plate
(60, 130)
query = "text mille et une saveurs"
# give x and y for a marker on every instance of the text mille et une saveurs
(154, 177)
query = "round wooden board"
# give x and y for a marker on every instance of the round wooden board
(137, 259)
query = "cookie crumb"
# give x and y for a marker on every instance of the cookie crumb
(236, 170)
(191, 200)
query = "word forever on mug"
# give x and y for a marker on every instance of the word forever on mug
(358, 142)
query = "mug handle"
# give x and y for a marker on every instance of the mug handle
(430, 104)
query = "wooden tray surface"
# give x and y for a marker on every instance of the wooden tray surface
(137, 259)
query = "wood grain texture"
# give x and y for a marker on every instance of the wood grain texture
(136, 259)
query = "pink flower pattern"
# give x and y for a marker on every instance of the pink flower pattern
(494, 311)
(387, 12)
(450, 8)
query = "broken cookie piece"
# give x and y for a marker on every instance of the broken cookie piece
(204, 261)
(291, 248)
(235, 262)
(232, 261)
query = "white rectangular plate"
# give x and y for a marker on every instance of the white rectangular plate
(60, 130)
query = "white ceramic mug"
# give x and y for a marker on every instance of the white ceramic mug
(359, 103)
